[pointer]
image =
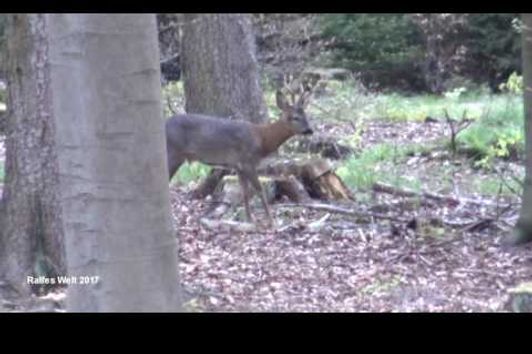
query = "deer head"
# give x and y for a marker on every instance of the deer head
(293, 105)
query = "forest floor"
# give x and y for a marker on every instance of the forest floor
(391, 253)
(400, 254)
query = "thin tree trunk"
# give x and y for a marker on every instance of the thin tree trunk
(523, 231)
(111, 148)
(31, 232)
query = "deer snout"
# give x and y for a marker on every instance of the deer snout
(308, 131)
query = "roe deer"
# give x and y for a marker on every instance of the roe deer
(237, 145)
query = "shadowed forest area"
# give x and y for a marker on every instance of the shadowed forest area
(351, 163)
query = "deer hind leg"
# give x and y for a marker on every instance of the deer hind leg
(174, 161)
(245, 191)
(254, 179)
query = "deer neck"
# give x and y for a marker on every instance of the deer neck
(274, 135)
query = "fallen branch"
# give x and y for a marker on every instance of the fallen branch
(464, 227)
(228, 225)
(386, 188)
(482, 223)
(344, 211)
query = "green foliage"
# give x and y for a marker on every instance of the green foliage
(370, 41)
(350, 101)
(499, 133)
(496, 133)
(191, 172)
(389, 49)
(360, 171)
(2, 172)
(501, 146)
(494, 46)
(395, 107)
(375, 164)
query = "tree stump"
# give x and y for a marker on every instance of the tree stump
(297, 181)
(321, 181)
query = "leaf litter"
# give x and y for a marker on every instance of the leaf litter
(448, 258)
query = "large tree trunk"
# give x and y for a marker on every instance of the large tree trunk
(219, 67)
(31, 233)
(220, 72)
(111, 148)
(523, 232)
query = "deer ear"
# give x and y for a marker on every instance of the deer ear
(281, 100)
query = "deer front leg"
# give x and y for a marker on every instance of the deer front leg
(245, 191)
(254, 179)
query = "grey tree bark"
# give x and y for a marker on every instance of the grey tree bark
(220, 71)
(523, 230)
(31, 231)
(112, 162)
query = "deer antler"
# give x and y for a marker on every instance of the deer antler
(307, 88)
(298, 90)
(288, 82)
